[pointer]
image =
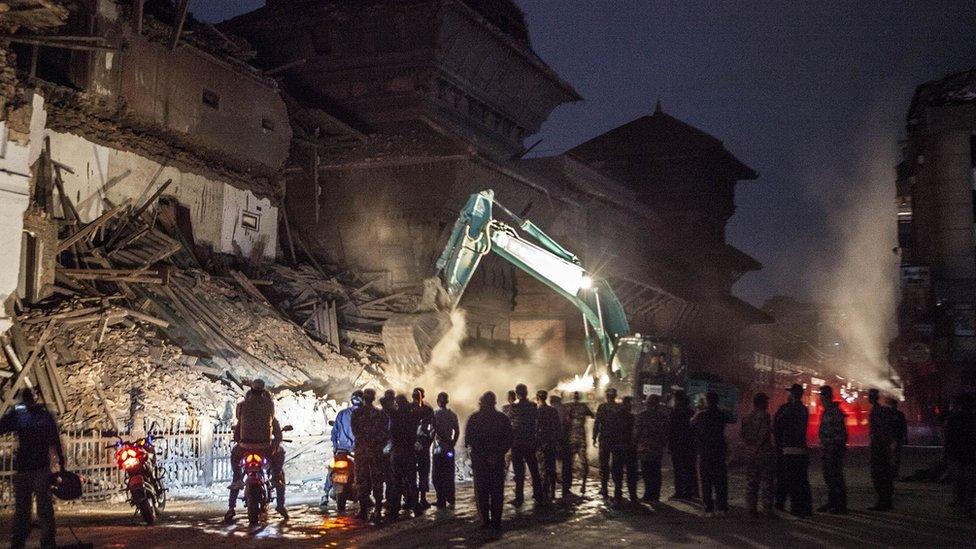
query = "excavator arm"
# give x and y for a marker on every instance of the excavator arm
(410, 338)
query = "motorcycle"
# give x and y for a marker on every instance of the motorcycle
(143, 479)
(259, 490)
(340, 484)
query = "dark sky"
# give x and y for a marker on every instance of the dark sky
(806, 95)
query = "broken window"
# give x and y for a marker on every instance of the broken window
(251, 221)
(211, 99)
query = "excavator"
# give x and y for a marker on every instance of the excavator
(633, 364)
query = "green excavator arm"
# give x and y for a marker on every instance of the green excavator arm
(409, 339)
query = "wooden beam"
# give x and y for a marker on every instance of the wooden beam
(64, 45)
(180, 20)
(21, 377)
(91, 227)
(137, 15)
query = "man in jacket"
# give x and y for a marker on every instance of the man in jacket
(603, 435)
(257, 429)
(651, 437)
(833, 444)
(401, 486)
(342, 438)
(623, 458)
(790, 434)
(550, 438)
(488, 433)
(371, 428)
(681, 441)
(576, 413)
(757, 434)
(446, 433)
(425, 436)
(37, 435)
(525, 434)
(709, 426)
(883, 430)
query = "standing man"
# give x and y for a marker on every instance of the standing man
(960, 452)
(401, 489)
(425, 436)
(488, 433)
(446, 433)
(757, 433)
(525, 432)
(833, 443)
(603, 436)
(550, 439)
(257, 426)
(709, 425)
(622, 454)
(681, 441)
(510, 399)
(37, 434)
(901, 435)
(884, 438)
(576, 413)
(790, 433)
(563, 455)
(342, 439)
(371, 427)
(651, 434)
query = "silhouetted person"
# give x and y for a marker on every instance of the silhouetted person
(565, 457)
(623, 457)
(833, 445)
(901, 435)
(709, 426)
(510, 397)
(525, 432)
(37, 435)
(550, 443)
(401, 487)
(792, 474)
(651, 438)
(446, 433)
(371, 429)
(425, 436)
(488, 433)
(960, 451)
(757, 434)
(576, 413)
(603, 434)
(681, 442)
(884, 438)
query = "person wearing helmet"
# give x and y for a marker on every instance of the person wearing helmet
(342, 437)
(257, 427)
(37, 434)
(604, 435)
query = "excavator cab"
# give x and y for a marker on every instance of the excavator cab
(642, 366)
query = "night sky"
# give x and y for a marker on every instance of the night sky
(807, 96)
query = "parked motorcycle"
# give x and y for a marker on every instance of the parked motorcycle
(259, 489)
(143, 479)
(340, 484)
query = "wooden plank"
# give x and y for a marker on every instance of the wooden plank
(181, 10)
(91, 227)
(145, 318)
(60, 316)
(334, 323)
(135, 215)
(10, 391)
(56, 382)
(108, 411)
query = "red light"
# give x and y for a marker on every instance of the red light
(253, 459)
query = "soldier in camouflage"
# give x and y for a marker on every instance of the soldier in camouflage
(833, 442)
(371, 428)
(576, 411)
(756, 433)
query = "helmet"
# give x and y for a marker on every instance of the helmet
(357, 398)
(65, 485)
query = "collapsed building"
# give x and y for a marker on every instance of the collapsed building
(199, 205)
(448, 92)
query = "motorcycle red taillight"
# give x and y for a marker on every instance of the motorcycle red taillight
(128, 457)
(253, 460)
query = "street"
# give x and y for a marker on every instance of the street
(923, 518)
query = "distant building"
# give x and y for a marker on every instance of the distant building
(935, 351)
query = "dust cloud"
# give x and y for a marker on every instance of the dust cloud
(860, 281)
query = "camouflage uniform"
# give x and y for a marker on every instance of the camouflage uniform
(833, 441)
(371, 428)
(577, 413)
(756, 432)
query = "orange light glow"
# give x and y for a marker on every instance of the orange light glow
(253, 459)
(341, 464)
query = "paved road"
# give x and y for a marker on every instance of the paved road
(923, 519)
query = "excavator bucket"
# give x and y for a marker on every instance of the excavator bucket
(410, 338)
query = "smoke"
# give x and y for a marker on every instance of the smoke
(465, 373)
(860, 282)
